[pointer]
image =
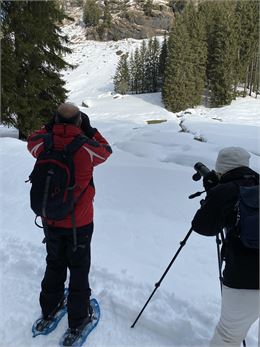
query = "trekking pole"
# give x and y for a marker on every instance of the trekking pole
(157, 285)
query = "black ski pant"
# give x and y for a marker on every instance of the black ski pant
(60, 257)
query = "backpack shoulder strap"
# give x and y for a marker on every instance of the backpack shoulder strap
(75, 144)
(48, 141)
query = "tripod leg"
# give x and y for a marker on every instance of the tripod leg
(157, 285)
(218, 241)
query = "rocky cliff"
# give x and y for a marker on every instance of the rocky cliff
(132, 22)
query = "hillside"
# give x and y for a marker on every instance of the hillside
(142, 212)
(127, 20)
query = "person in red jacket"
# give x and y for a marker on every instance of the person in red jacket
(66, 125)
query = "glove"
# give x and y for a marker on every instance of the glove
(50, 124)
(210, 180)
(86, 127)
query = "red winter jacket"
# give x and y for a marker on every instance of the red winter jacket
(89, 155)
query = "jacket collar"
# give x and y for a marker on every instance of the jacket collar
(239, 173)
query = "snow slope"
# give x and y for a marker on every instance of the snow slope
(142, 212)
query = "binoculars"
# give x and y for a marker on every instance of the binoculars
(201, 171)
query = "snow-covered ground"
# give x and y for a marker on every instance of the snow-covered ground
(142, 212)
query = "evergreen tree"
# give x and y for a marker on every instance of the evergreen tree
(162, 60)
(218, 46)
(91, 13)
(138, 71)
(177, 90)
(132, 73)
(142, 67)
(177, 5)
(122, 77)
(256, 81)
(247, 27)
(148, 65)
(152, 60)
(185, 67)
(9, 68)
(198, 54)
(156, 50)
(31, 53)
(222, 51)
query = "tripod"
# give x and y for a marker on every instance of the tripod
(219, 240)
(157, 285)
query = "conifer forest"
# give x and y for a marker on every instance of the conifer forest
(210, 56)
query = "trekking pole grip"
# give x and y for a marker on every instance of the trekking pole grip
(157, 284)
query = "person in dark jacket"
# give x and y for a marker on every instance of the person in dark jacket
(68, 123)
(240, 289)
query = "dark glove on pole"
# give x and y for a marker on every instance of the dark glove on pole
(211, 180)
(86, 127)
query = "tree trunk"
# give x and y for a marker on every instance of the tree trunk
(257, 75)
(22, 136)
(245, 84)
(251, 77)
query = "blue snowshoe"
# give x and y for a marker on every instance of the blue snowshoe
(44, 326)
(77, 337)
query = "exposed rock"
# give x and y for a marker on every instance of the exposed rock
(137, 26)
(118, 96)
(200, 138)
(84, 104)
(156, 121)
(131, 24)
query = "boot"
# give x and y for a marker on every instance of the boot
(45, 321)
(74, 334)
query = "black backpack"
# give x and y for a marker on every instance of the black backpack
(247, 209)
(53, 179)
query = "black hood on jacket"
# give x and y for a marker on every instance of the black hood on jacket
(240, 173)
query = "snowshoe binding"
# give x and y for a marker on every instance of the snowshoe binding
(44, 326)
(77, 337)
